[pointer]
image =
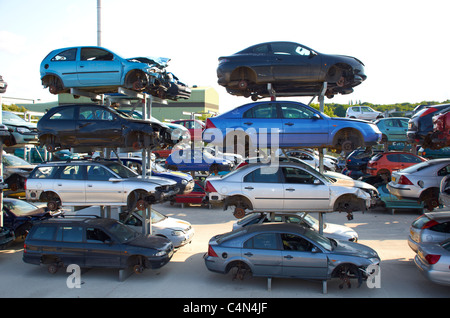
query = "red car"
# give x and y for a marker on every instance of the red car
(194, 126)
(387, 162)
(441, 130)
(198, 195)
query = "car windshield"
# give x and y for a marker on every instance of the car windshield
(121, 170)
(122, 232)
(156, 216)
(320, 240)
(10, 117)
(19, 207)
(10, 160)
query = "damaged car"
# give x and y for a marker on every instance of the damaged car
(291, 68)
(82, 183)
(99, 70)
(98, 127)
(285, 187)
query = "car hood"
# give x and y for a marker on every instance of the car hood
(354, 249)
(173, 223)
(174, 174)
(153, 179)
(354, 183)
(335, 231)
(350, 120)
(160, 62)
(154, 242)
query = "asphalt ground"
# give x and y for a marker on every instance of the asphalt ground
(186, 277)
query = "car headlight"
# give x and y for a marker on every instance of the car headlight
(184, 181)
(177, 233)
(23, 130)
(161, 253)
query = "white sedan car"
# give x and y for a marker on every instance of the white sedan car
(285, 187)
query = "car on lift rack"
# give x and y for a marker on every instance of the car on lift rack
(22, 132)
(15, 171)
(420, 182)
(84, 182)
(3, 85)
(441, 130)
(286, 124)
(393, 128)
(291, 68)
(197, 160)
(99, 127)
(285, 187)
(98, 70)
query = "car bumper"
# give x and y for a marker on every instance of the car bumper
(413, 244)
(438, 277)
(181, 240)
(403, 191)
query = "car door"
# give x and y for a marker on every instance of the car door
(394, 129)
(264, 188)
(301, 258)
(303, 191)
(69, 245)
(263, 252)
(101, 250)
(100, 190)
(66, 65)
(291, 62)
(96, 126)
(302, 126)
(262, 124)
(98, 67)
(70, 184)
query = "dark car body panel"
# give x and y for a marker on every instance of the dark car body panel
(112, 130)
(292, 68)
(47, 241)
(420, 126)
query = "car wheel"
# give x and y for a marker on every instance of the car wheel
(239, 270)
(243, 85)
(345, 272)
(239, 212)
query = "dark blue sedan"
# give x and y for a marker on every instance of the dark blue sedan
(287, 124)
(197, 160)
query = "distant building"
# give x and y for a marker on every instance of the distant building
(203, 100)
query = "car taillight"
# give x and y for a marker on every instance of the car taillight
(404, 180)
(209, 124)
(209, 187)
(432, 258)
(25, 184)
(428, 111)
(211, 251)
(242, 164)
(24, 247)
(429, 224)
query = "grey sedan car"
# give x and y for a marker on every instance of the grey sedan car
(420, 182)
(288, 250)
(433, 260)
(432, 227)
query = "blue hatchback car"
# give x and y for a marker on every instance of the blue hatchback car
(100, 71)
(287, 124)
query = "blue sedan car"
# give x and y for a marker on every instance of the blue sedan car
(100, 71)
(197, 160)
(287, 124)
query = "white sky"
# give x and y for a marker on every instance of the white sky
(403, 44)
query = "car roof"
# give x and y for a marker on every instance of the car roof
(91, 220)
(277, 227)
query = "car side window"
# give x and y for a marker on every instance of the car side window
(298, 176)
(98, 173)
(296, 112)
(265, 241)
(45, 233)
(95, 113)
(293, 242)
(63, 114)
(71, 172)
(67, 55)
(95, 54)
(70, 234)
(44, 172)
(94, 235)
(263, 175)
(262, 111)
(444, 171)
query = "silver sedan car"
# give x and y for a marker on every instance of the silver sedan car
(83, 183)
(285, 187)
(288, 250)
(420, 182)
(433, 260)
(432, 227)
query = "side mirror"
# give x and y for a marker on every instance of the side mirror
(317, 182)
(316, 116)
(115, 180)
